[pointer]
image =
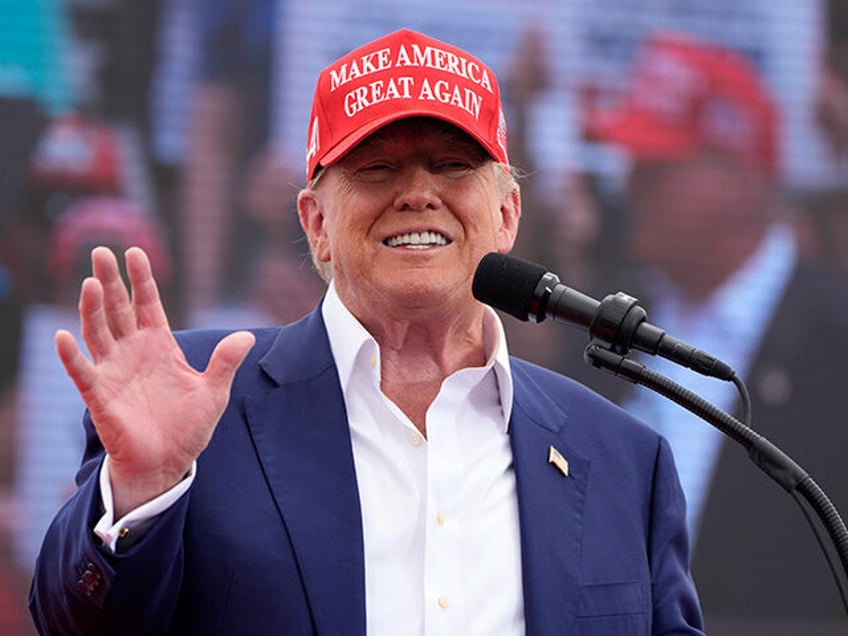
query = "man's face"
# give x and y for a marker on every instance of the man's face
(406, 216)
(696, 218)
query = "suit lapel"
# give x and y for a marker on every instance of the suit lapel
(302, 438)
(550, 508)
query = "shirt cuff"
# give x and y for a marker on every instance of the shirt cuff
(140, 518)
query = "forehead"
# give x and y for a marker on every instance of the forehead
(704, 161)
(420, 131)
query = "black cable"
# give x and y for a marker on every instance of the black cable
(805, 507)
(746, 399)
(770, 459)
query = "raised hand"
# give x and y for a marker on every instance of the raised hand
(153, 412)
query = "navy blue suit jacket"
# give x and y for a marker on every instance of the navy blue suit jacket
(269, 538)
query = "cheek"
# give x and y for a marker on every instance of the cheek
(348, 240)
(652, 217)
(488, 228)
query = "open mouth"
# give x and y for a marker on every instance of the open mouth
(417, 240)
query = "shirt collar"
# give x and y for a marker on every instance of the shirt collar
(356, 351)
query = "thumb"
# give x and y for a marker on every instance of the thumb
(226, 359)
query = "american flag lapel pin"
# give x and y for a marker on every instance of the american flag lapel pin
(556, 458)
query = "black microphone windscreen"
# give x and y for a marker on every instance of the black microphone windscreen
(507, 283)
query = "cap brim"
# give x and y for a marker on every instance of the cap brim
(642, 136)
(348, 143)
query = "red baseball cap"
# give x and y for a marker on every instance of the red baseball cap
(106, 220)
(402, 74)
(687, 95)
(79, 154)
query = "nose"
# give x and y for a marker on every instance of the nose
(417, 190)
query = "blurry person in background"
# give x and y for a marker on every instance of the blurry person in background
(49, 440)
(35, 87)
(72, 197)
(77, 156)
(236, 213)
(720, 269)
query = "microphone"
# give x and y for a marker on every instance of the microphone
(528, 291)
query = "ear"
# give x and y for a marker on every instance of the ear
(311, 214)
(510, 211)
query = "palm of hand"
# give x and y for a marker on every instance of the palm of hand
(153, 412)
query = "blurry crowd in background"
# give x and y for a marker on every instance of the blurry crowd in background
(694, 152)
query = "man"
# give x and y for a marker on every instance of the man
(381, 466)
(721, 270)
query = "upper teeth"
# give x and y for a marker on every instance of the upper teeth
(417, 239)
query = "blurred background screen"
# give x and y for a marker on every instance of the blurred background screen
(693, 153)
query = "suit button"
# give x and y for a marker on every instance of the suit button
(90, 579)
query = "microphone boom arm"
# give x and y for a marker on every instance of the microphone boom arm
(768, 457)
(616, 324)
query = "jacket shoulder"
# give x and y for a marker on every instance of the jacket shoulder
(540, 392)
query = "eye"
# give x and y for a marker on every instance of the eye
(454, 165)
(375, 166)
(370, 171)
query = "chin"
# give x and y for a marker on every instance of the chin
(420, 291)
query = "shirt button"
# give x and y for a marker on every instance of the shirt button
(440, 518)
(443, 602)
(416, 439)
(373, 360)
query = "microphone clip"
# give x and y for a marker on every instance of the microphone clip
(616, 321)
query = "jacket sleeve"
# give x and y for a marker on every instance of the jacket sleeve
(80, 587)
(676, 609)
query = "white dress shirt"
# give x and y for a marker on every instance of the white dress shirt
(440, 515)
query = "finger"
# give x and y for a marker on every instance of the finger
(226, 359)
(95, 331)
(77, 366)
(146, 302)
(116, 299)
